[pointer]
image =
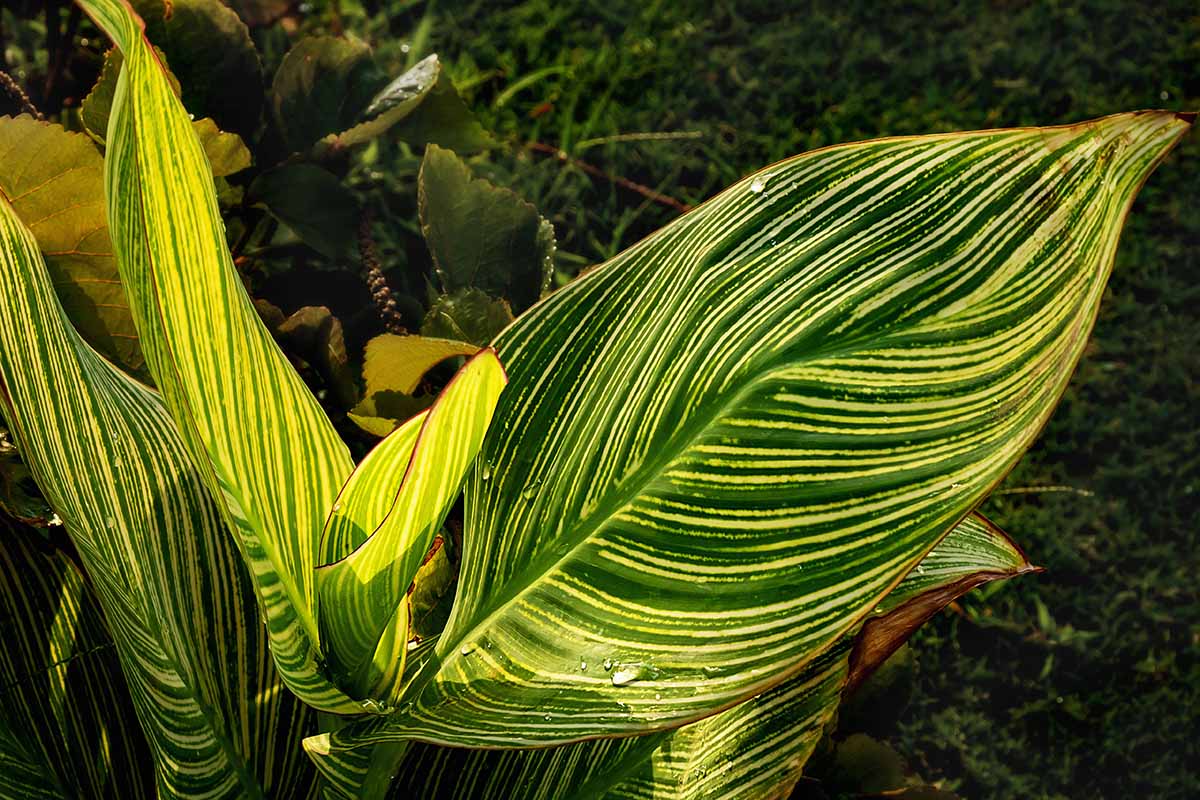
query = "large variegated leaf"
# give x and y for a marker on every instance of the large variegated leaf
(384, 523)
(177, 600)
(67, 727)
(261, 441)
(754, 750)
(719, 451)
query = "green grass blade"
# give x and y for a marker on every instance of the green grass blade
(723, 448)
(417, 472)
(175, 594)
(264, 446)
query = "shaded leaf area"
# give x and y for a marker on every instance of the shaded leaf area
(482, 236)
(55, 182)
(67, 727)
(315, 335)
(211, 52)
(432, 594)
(314, 203)
(20, 497)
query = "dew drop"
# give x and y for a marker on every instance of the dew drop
(710, 671)
(466, 650)
(582, 665)
(547, 718)
(633, 672)
(337, 507)
(757, 185)
(110, 523)
(608, 665)
(657, 696)
(530, 491)
(55, 519)
(486, 473)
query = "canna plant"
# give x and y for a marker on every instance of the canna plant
(709, 486)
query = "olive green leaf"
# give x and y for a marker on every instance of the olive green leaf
(432, 593)
(226, 152)
(482, 236)
(54, 180)
(392, 370)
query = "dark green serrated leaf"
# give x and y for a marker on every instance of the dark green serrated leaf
(480, 235)
(444, 119)
(67, 727)
(55, 182)
(321, 88)
(313, 203)
(468, 315)
(393, 103)
(210, 50)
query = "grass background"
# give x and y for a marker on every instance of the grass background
(1082, 682)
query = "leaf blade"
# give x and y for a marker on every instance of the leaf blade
(782, 400)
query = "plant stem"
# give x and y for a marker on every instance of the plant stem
(14, 90)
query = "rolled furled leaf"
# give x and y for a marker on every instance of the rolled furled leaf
(721, 450)
(384, 522)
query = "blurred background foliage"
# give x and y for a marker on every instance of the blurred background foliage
(612, 117)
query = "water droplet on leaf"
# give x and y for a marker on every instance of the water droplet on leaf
(757, 185)
(608, 664)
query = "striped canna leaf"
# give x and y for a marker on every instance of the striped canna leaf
(263, 445)
(164, 568)
(754, 750)
(721, 450)
(67, 727)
